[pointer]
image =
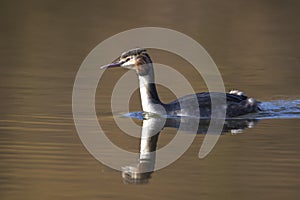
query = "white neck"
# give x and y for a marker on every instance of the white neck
(144, 92)
(149, 96)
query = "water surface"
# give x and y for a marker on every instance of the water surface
(255, 44)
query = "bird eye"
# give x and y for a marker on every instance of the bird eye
(127, 59)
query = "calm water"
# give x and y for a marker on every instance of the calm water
(255, 44)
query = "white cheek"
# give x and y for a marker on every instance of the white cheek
(129, 64)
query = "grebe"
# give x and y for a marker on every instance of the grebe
(138, 59)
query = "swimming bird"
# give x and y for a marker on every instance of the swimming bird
(236, 102)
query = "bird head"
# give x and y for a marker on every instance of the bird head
(136, 59)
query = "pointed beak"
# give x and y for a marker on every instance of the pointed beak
(114, 64)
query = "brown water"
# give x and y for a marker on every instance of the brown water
(254, 43)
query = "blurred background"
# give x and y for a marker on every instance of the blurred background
(255, 44)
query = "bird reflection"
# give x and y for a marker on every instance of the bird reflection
(140, 173)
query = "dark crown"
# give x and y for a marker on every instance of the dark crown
(132, 52)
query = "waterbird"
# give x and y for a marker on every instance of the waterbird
(199, 104)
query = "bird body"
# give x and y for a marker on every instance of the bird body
(198, 105)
